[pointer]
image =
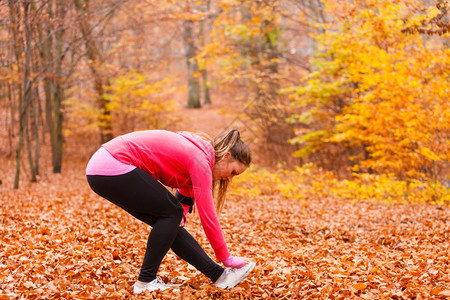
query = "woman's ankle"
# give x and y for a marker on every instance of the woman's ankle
(141, 282)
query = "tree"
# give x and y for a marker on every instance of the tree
(142, 58)
(203, 66)
(192, 65)
(52, 49)
(97, 60)
(246, 43)
(198, 14)
(23, 59)
(137, 103)
(377, 92)
(435, 24)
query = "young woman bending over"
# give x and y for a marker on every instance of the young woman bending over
(130, 171)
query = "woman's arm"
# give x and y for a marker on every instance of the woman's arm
(201, 177)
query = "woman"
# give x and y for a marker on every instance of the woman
(130, 171)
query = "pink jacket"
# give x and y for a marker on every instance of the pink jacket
(178, 160)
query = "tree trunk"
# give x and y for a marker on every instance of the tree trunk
(267, 110)
(58, 139)
(26, 90)
(205, 84)
(206, 94)
(192, 66)
(11, 132)
(52, 55)
(101, 82)
(35, 129)
(29, 145)
(14, 16)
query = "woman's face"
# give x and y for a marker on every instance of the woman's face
(227, 168)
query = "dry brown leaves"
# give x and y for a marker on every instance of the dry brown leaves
(59, 240)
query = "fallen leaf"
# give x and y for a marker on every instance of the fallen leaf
(360, 286)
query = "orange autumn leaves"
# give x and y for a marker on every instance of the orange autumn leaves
(59, 240)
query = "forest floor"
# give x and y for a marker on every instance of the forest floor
(58, 240)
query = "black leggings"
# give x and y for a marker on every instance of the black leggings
(145, 198)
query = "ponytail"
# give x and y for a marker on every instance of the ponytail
(229, 141)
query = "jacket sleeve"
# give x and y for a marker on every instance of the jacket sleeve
(201, 177)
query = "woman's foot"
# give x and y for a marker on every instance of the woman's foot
(155, 285)
(231, 277)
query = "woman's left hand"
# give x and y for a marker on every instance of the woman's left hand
(183, 221)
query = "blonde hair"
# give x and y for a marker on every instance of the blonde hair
(229, 141)
(204, 136)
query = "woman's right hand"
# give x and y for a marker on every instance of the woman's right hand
(234, 262)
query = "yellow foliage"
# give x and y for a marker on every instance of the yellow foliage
(308, 183)
(134, 102)
(244, 24)
(379, 89)
(137, 104)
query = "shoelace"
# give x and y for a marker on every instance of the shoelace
(232, 270)
(160, 283)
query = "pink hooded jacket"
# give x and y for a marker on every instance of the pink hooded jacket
(179, 160)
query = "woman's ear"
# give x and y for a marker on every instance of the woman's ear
(227, 156)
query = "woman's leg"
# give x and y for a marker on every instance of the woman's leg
(145, 198)
(187, 248)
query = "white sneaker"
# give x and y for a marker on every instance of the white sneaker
(156, 284)
(231, 277)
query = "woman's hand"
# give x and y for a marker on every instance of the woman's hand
(186, 209)
(234, 262)
(183, 221)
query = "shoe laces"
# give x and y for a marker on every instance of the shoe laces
(233, 270)
(159, 283)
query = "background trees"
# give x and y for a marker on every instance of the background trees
(378, 95)
(351, 86)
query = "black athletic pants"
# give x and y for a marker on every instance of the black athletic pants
(145, 198)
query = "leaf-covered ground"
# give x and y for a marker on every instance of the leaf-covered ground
(60, 241)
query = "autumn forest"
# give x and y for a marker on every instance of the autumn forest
(344, 103)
